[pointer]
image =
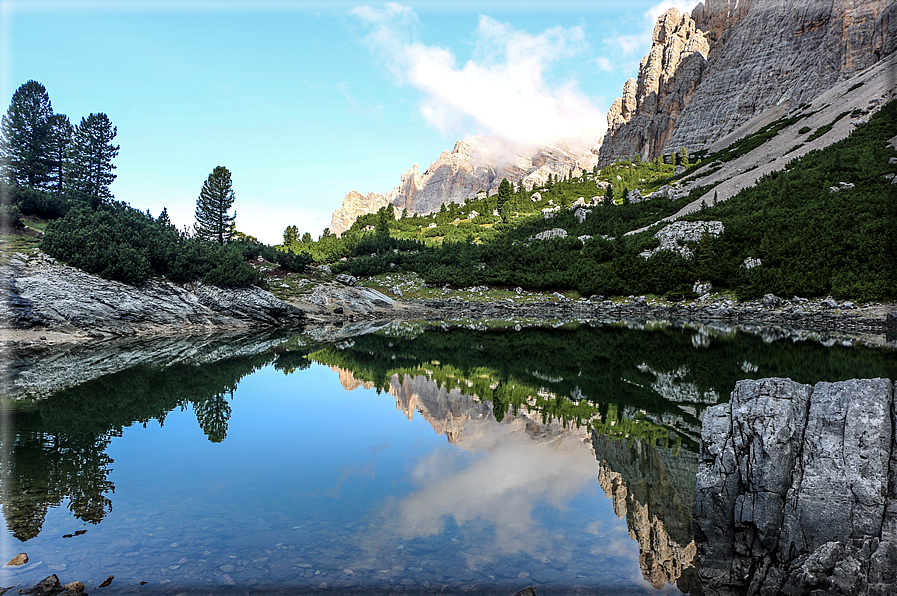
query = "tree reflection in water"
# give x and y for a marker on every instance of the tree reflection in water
(632, 384)
(58, 445)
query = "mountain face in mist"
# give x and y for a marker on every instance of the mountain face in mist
(709, 73)
(475, 164)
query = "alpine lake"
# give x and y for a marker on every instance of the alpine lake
(391, 457)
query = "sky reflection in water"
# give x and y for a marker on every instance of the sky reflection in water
(317, 485)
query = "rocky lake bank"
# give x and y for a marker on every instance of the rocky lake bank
(46, 302)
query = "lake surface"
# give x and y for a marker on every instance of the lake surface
(409, 459)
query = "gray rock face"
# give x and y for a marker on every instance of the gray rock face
(708, 74)
(641, 121)
(42, 293)
(767, 52)
(793, 491)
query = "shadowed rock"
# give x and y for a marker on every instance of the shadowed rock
(793, 492)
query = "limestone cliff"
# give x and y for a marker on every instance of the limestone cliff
(355, 204)
(474, 164)
(642, 120)
(709, 73)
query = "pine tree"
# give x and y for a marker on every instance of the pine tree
(290, 236)
(503, 200)
(163, 219)
(90, 156)
(25, 146)
(61, 132)
(215, 200)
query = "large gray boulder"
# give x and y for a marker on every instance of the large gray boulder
(793, 493)
(38, 292)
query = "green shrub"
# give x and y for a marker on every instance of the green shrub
(118, 242)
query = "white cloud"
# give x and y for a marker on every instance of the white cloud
(502, 90)
(501, 489)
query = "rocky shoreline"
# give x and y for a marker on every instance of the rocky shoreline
(815, 315)
(46, 302)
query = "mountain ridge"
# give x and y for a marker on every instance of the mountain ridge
(705, 77)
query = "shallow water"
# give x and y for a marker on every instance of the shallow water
(422, 461)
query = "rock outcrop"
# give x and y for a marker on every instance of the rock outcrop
(473, 165)
(796, 490)
(40, 293)
(674, 236)
(731, 60)
(641, 121)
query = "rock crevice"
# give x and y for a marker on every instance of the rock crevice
(795, 492)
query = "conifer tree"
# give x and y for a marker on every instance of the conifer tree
(61, 132)
(215, 200)
(25, 146)
(90, 156)
(503, 200)
(290, 236)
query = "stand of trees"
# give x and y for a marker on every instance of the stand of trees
(55, 171)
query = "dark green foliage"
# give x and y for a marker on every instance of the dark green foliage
(25, 136)
(288, 261)
(25, 146)
(856, 86)
(504, 199)
(118, 242)
(34, 202)
(10, 217)
(61, 132)
(824, 129)
(813, 241)
(213, 222)
(90, 157)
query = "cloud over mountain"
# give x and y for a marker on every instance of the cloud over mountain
(502, 90)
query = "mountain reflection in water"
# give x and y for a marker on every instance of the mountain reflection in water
(535, 409)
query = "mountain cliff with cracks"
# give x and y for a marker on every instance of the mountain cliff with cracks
(730, 60)
(474, 164)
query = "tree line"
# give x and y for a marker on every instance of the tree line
(53, 170)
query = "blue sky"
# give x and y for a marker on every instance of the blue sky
(305, 101)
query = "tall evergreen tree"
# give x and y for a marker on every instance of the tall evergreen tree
(61, 132)
(504, 198)
(90, 156)
(215, 200)
(24, 149)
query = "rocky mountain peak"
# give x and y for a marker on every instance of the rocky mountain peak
(709, 73)
(474, 164)
(640, 120)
